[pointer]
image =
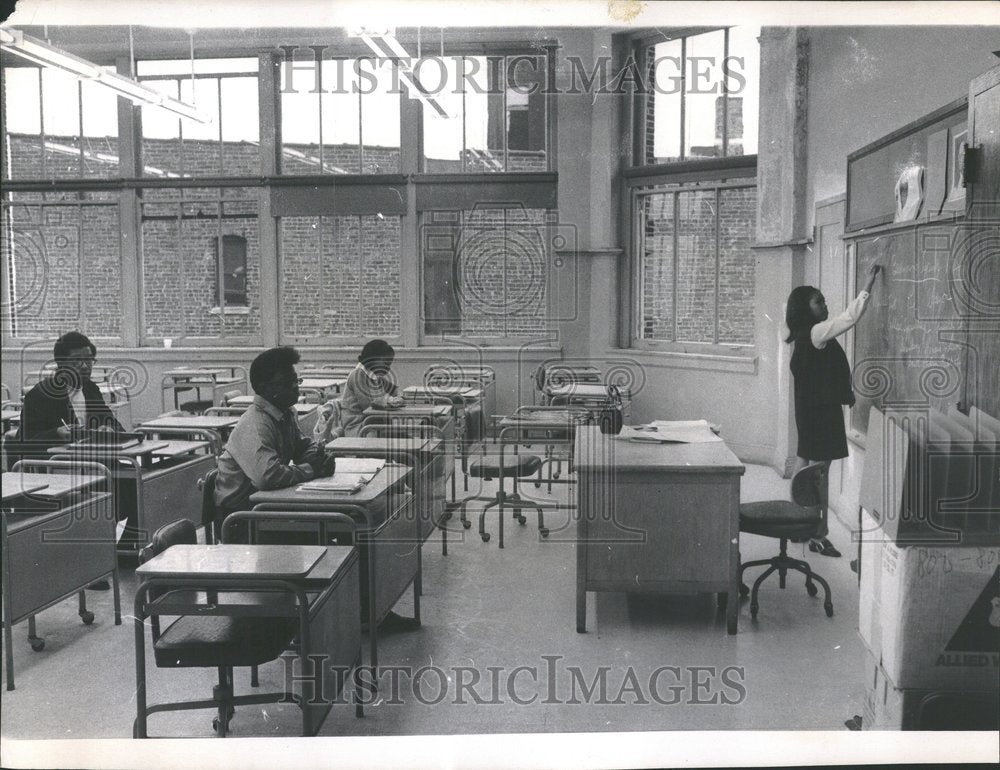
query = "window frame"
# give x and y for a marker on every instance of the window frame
(734, 170)
(416, 190)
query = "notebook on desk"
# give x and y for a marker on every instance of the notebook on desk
(672, 432)
(102, 439)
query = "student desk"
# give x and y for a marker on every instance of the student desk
(454, 375)
(469, 402)
(58, 538)
(325, 386)
(215, 380)
(384, 533)
(318, 585)
(214, 427)
(656, 518)
(425, 456)
(439, 416)
(155, 482)
(307, 413)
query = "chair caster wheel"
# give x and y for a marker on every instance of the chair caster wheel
(467, 524)
(446, 516)
(521, 520)
(811, 589)
(87, 618)
(538, 485)
(744, 590)
(753, 610)
(829, 609)
(486, 537)
(543, 531)
(555, 476)
(37, 644)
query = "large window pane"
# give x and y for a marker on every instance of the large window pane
(184, 266)
(703, 99)
(744, 98)
(339, 117)
(658, 266)
(443, 137)
(662, 125)
(737, 216)
(485, 272)
(227, 145)
(339, 277)
(696, 276)
(696, 266)
(63, 265)
(23, 123)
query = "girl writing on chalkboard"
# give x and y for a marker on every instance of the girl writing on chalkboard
(822, 382)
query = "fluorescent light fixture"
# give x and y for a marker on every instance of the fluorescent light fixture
(394, 50)
(16, 42)
(38, 51)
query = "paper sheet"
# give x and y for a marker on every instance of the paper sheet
(672, 432)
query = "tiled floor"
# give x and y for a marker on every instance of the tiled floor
(500, 654)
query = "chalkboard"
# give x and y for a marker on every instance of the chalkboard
(910, 348)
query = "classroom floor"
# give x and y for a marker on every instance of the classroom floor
(491, 611)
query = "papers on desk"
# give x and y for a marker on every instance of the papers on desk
(340, 481)
(672, 432)
(369, 465)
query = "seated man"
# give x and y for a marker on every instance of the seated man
(266, 449)
(65, 400)
(61, 404)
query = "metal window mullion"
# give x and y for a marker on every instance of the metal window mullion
(218, 96)
(79, 268)
(464, 129)
(725, 95)
(319, 112)
(503, 269)
(180, 254)
(718, 259)
(41, 124)
(503, 119)
(361, 275)
(79, 118)
(683, 96)
(361, 136)
(677, 244)
(180, 137)
(220, 270)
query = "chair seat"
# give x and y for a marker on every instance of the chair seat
(196, 407)
(219, 640)
(519, 466)
(778, 518)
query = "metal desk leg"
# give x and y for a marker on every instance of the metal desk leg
(372, 613)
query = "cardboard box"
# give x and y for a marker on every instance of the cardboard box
(931, 616)
(887, 707)
(928, 480)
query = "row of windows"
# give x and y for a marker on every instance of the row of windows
(337, 116)
(484, 269)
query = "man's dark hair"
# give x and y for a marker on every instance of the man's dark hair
(269, 363)
(69, 342)
(375, 350)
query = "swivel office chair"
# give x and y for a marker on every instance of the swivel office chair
(786, 520)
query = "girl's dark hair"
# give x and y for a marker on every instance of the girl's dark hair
(799, 317)
(376, 349)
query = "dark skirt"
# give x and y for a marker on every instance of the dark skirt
(821, 431)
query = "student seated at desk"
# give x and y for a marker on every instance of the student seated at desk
(63, 402)
(370, 383)
(266, 449)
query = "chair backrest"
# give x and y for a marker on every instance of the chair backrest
(180, 532)
(208, 502)
(330, 422)
(807, 484)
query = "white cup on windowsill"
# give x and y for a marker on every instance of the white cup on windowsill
(167, 342)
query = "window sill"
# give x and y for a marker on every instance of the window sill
(745, 363)
(230, 310)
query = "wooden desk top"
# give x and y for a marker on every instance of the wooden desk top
(595, 451)
(447, 391)
(413, 410)
(581, 389)
(183, 372)
(46, 485)
(313, 381)
(374, 444)
(211, 422)
(234, 560)
(149, 447)
(369, 493)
